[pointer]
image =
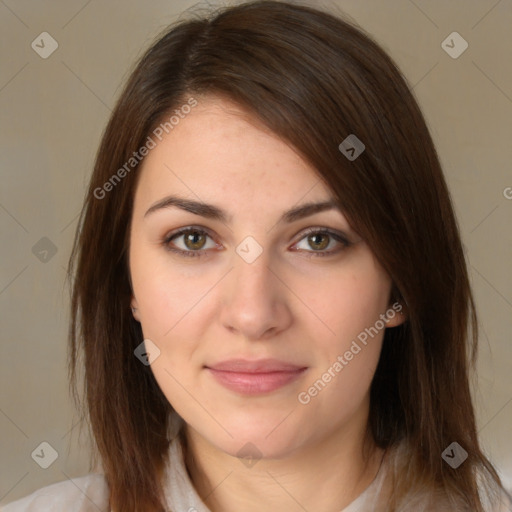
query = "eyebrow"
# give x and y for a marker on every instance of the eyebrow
(213, 212)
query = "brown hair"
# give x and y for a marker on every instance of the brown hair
(313, 79)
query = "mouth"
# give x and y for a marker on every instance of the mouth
(255, 377)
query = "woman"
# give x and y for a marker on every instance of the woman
(269, 289)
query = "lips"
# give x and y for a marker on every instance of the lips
(259, 366)
(255, 377)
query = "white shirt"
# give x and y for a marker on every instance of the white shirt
(90, 493)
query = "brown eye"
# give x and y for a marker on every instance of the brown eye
(322, 242)
(318, 241)
(188, 242)
(194, 240)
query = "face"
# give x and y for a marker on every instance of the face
(250, 307)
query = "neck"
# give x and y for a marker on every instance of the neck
(323, 476)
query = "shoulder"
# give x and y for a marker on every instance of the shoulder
(501, 502)
(84, 494)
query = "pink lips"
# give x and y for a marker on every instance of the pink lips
(254, 377)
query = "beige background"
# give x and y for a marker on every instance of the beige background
(53, 113)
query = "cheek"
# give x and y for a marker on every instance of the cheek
(348, 358)
(172, 309)
(348, 302)
(341, 394)
(165, 293)
(158, 307)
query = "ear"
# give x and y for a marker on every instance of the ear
(396, 314)
(135, 309)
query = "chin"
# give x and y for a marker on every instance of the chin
(258, 447)
(260, 437)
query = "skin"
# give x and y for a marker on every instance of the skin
(284, 305)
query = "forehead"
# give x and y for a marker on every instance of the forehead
(221, 150)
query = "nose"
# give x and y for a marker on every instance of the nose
(255, 300)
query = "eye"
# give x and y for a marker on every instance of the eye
(193, 243)
(320, 239)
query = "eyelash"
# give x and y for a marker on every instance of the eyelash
(202, 252)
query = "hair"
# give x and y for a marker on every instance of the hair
(312, 79)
